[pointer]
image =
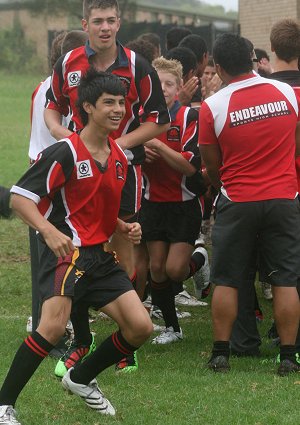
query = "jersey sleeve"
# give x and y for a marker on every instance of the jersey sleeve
(48, 174)
(189, 140)
(54, 96)
(207, 135)
(151, 96)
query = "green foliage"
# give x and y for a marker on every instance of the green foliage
(17, 54)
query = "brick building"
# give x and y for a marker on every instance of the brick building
(40, 27)
(256, 18)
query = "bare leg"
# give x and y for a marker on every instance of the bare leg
(286, 313)
(224, 311)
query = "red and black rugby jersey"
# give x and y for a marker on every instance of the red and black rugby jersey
(162, 182)
(74, 192)
(139, 77)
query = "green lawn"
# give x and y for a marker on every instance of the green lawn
(172, 386)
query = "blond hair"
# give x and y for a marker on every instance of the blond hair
(172, 66)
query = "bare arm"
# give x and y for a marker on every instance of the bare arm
(212, 158)
(53, 121)
(28, 211)
(142, 134)
(173, 159)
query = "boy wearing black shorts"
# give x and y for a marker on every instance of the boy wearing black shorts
(59, 196)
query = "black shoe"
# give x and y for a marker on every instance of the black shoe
(286, 367)
(219, 364)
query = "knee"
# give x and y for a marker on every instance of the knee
(141, 331)
(177, 274)
(52, 332)
(157, 270)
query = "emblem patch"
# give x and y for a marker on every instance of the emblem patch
(119, 171)
(74, 78)
(126, 83)
(84, 169)
(173, 134)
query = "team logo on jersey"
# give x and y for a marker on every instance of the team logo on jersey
(126, 83)
(173, 134)
(258, 112)
(84, 169)
(74, 78)
(119, 171)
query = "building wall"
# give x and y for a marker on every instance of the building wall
(35, 28)
(256, 18)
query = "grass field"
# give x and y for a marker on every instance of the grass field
(172, 386)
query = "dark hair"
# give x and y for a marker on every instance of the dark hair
(142, 47)
(55, 51)
(174, 36)
(232, 53)
(196, 43)
(88, 5)
(72, 40)
(285, 39)
(260, 54)
(92, 85)
(152, 38)
(185, 56)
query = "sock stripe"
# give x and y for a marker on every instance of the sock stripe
(119, 346)
(133, 277)
(30, 342)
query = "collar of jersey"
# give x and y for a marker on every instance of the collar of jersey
(174, 109)
(243, 77)
(120, 62)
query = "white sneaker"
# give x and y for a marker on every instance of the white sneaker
(202, 276)
(91, 394)
(158, 328)
(182, 314)
(267, 290)
(168, 336)
(184, 298)
(8, 416)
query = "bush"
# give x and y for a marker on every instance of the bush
(18, 55)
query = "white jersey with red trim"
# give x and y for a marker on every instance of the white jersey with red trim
(253, 120)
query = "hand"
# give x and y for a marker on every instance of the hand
(58, 242)
(187, 92)
(151, 152)
(130, 231)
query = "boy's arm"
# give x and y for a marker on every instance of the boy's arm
(142, 134)
(173, 159)
(53, 121)
(28, 211)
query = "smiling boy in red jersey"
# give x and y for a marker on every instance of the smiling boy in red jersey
(71, 182)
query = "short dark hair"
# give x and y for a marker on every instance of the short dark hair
(152, 38)
(72, 40)
(88, 5)
(55, 51)
(174, 36)
(143, 48)
(285, 39)
(92, 85)
(260, 54)
(196, 43)
(232, 53)
(185, 56)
